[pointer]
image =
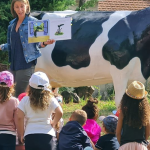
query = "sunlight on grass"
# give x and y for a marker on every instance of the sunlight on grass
(105, 108)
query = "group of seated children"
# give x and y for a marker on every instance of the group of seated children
(37, 118)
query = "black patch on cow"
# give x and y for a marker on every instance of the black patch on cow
(129, 38)
(86, 27)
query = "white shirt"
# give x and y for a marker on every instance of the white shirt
(38, 121)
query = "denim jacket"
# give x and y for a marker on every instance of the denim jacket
(31, 50)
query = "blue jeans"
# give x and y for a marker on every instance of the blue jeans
(7, 142)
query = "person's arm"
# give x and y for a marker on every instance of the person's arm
(147, 131)
(44, 44)
(119, 126)
(57, 136)
(20, 126)
(15, 113)
(148, 146)
(4, 47)
(58, 115)
(93, 146)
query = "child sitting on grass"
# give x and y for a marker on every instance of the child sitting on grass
(109, 140)
(91, 127)
(72, 135)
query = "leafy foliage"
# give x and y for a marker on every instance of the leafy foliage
(51, 5)
(87, 5)
(5, 17)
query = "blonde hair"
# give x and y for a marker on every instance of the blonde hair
(80, 116)
(5, 93)
(39, 99)
(25, 2)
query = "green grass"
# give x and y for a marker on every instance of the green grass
(105, 108)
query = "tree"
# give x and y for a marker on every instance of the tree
(5, 17)
(51, 5)
(86, 5)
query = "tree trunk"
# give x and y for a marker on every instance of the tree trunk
(81, 2)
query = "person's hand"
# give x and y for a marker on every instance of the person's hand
(49, 42)
(21, 140)
(52, 123)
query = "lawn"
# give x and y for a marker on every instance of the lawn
(105, 108)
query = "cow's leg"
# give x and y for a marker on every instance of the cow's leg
(120, 79)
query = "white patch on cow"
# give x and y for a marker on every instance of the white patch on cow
(58, 14)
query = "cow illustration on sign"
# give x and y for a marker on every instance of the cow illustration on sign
(58, 32)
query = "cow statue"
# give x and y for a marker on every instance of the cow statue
(105, 47)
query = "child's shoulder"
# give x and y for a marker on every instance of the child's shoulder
(108, 137)
(25, 100)
(13, 99)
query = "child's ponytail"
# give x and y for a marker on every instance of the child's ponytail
(91, 102)
(91, 109)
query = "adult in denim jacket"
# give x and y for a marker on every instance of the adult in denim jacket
(22, 55)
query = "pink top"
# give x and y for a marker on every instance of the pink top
(8, 114)
(92, 129)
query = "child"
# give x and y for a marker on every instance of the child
(57, 95)
(133, 123)
(72, 135)
(91, 127)
(8, 113)
(109, 140)
(37, 107)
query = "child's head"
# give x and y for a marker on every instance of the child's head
(91, 109)
(39, 91)
(109, 124)
(134, 105)
(6, 85)
(80, 116)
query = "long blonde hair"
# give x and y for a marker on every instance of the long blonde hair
(39, 98)
(25, 2)
(5, 93)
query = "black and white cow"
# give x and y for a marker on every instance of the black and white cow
(105, 47)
